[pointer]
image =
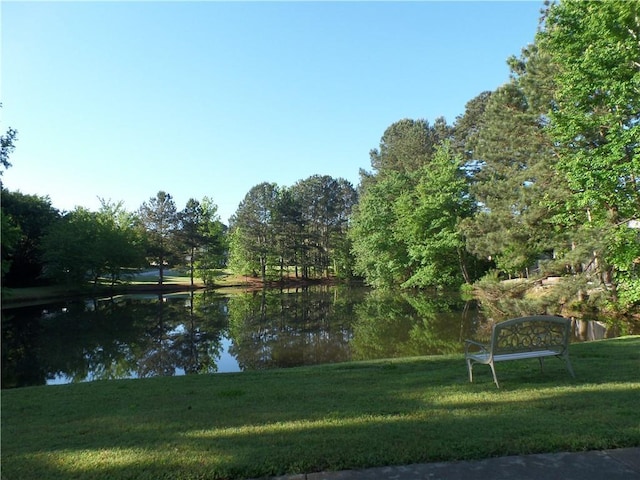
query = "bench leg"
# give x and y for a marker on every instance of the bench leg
(569, 367)
(493, 370)
(541, 364)
(470, 369)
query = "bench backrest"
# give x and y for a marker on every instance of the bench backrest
(525, 334)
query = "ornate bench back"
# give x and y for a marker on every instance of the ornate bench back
(527, 334)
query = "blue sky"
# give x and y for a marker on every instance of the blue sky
(119, 100)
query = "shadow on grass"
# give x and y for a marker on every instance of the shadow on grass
(326, 418)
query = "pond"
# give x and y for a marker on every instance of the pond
(134, 336)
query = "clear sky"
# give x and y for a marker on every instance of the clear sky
(119, 100)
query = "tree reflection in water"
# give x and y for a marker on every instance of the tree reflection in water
(134, 336)
(121, 337)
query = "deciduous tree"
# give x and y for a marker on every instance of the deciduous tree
(381, 257)
(7, 145)
(595, 123)
(33, 216)
(428, 218)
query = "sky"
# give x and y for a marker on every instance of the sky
(118, 100)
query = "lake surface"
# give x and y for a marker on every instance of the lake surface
(134, 336)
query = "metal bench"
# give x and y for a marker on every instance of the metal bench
(538, 336)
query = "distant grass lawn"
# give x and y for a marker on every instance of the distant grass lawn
(330, 417)
(171, 279)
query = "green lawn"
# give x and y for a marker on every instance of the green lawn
(172, 279)
(331, 417)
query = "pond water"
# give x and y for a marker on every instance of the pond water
(133, 336)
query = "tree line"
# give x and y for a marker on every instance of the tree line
(298, 231)
(541, 173)
(42, 245)
(539, 176)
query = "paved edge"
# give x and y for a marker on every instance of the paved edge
(614, 464)
(628, 456)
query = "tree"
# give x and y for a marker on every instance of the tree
(7, 145)
(89, 245)
(289, 227)
(325, 205)
(381, 257)
(201, 233)
(8, 229)
(276, 229)
(214, 253)
(407, 145)
(466, 127)
(33, 216)
(513, 183)
(10, 238)
(71, 252)
(253, 236)
(381, 252)
(595, 123)
(346, 199)
(158, 218)
(428, 220)
(190, 232)
(120, 242)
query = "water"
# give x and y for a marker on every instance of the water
(135, 336)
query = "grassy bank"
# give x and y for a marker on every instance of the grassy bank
(330, 417)
(172, 281)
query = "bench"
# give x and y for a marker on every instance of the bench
(538, 336)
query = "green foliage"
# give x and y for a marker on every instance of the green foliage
(241, 259)
(514, 184)
(381, 252)
(407, 145)
(254, 219)
(624, 252)
(87, 245)
(10, 237)
(428, 218)
(629, 293)
(33, 216)
(119, 242)
(405, 229)
(381, 256)
(595, 124)
(7, 145)
(466, 128)
(71, 256)
(324, 206)
(596, 120)
(158, 218)
(302, 229)
(201, 236)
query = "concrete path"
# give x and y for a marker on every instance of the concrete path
(621, 464)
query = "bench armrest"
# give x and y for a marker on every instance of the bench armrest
(471, 343)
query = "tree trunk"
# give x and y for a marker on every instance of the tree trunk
(463, 266)
(192, 262)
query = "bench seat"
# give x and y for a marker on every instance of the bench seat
(485, 358)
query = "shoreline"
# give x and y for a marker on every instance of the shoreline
(32, 296)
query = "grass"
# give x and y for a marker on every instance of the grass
(32, 293)
(329, 417)
(173, 280)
